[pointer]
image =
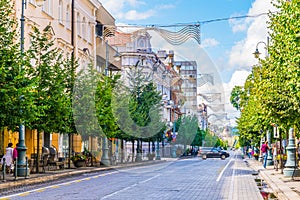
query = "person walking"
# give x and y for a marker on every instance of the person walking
(8, 157)
(274, 152)
(250, 152)
(15, 152)
(264, 150)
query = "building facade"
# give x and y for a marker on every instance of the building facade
(73, 25)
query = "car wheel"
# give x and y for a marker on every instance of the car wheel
(204, 157)
(223, 157)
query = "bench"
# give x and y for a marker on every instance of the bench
(42, 162)
(56, 164)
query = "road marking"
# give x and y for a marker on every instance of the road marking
(24, 194)
(53, 186)
(221, 174)
(232, 181)
(129, 187)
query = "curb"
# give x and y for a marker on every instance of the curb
(278, 187)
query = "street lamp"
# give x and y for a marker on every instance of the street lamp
(257, 53)
(174, 127)
(22, 169)
(105, 159)
(268, 136)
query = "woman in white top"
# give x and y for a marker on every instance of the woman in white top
(8, 156)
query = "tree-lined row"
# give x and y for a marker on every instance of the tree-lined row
(271, 93)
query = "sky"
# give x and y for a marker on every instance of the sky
(227, 40)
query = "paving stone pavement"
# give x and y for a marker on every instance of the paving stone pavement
(285, 188)
(243, 184)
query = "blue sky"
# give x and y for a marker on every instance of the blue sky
(226, 46)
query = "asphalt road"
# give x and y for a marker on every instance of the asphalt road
(182, 179)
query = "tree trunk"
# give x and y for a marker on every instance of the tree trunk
(122, 151)
(37, 152)
(132, 156)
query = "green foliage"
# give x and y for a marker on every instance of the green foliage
(136, 106)
(235, 97)
(48, 71)
(104, 107)
(84, 106)
(187, 131)
(198, 140)
(14, 82)
(273, 87)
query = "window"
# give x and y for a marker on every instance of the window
(32, 1)
(78, 24)
(83, 28)
(68, 17)
(47, 7)
(60, 11)
(89, 32)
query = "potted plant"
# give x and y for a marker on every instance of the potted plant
(79, 160)
(151, 156)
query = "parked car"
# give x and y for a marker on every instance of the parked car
(212, 152)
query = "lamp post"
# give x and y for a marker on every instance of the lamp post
(291, 166)
(158, 157)
(270, 156)
(268, 136)
(174, 132)
(104, 158)
(257, 53)
(22, 169)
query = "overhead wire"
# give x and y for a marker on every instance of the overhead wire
(198, 23)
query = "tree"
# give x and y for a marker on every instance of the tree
(236, 97)
(187, 130)
(104, 106)
(137, 106)
(48, 74)
(15, 84)
(274, 95)
(84, 102)
(280, 78)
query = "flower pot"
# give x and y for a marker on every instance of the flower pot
(79, 163)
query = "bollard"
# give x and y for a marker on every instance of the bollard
(16, 165)
(26, 171)
(4, 170)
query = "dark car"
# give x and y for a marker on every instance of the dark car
(214, 153)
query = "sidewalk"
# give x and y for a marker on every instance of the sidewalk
(285, 188)
(56, 174)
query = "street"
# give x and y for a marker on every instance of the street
(181, 179)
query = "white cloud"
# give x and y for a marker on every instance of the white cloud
(238, 79)
(241, 56)
(209, 42)
(132, 9)
(238, 25)
(135, 3)
(165, 6)
(133, 14)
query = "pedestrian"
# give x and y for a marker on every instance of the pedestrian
(274, 153)
(298, 148)
(8, 157)
(264, 149)
(15, 152)
(250, 152)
